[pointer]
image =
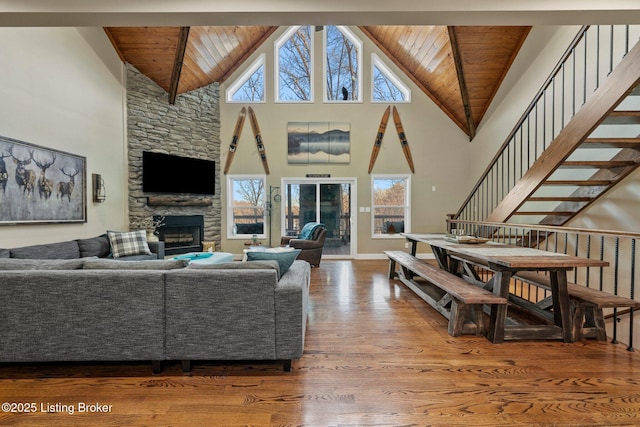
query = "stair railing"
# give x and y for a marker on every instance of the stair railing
(591, 56)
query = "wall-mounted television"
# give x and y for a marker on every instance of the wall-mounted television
(166, 173)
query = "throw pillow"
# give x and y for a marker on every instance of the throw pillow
(285, 259)
(128, 243)
(94, 246)
(40, 264)
(113, 264)
(4, 253)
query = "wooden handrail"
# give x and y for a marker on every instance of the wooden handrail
(551, 229)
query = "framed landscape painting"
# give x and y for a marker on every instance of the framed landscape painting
(40, 185)
(318, 142)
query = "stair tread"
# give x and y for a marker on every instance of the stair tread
(560, 199)
(546, 213)
(622, 118)
(611, 143)
(598, 164)
(585, 182)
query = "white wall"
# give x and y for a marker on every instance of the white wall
(439, 148)
(57, 92)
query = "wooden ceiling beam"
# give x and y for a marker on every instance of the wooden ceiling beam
(181, 48)
(464, 93)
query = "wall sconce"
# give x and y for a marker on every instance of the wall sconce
(99, 194)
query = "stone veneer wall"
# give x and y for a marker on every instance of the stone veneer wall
(190, 127)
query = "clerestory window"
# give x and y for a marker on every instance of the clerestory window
(342, 65)
(294, 65)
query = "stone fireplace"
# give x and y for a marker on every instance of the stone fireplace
(181, 233)
(189, 128)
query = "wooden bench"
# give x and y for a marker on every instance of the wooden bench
(462, 302)
(588, 316)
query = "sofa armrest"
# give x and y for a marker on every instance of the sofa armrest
(291, 299)
(157, 248)
(284, 240)
(305, 244)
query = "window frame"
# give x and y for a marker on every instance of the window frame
(230, 199)
(246, 75)
(377, 62)
(406, 207)
(359, 45)
(276, 65)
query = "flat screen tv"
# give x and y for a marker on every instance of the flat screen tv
(166, 173)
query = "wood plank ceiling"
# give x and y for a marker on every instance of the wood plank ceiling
(459, 68)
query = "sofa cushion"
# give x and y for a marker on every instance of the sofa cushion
(40, 264)
(60, 250)
(94, 246)
(128, 243)
(253, 265)
(114, 264)
(5, 253)
(284, 258)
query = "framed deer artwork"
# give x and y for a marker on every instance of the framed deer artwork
(39, 185)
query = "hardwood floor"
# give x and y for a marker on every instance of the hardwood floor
(375, 355)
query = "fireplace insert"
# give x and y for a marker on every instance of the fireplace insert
(181, 234)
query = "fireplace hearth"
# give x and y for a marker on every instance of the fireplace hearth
(181, 233)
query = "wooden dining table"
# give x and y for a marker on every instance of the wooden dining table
(504, 261)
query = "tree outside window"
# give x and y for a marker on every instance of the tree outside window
(250, 86)
(386, 86)
(295, 65)
(253, 89)
(343, 59)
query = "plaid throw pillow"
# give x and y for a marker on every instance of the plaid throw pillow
(128, 243)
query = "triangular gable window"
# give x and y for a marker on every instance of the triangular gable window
(250, 86)
(387, 87)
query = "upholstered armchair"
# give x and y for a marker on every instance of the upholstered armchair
(310, 241)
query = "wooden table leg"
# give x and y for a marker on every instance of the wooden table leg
(498, 318)
(561, 304)
(441, 257)
(414, 247)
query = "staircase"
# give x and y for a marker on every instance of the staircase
(562, 156)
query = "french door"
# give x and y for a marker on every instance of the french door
(326, 200)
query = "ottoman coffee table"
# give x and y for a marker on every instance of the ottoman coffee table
(205, 258)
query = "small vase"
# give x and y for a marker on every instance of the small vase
(151, 237)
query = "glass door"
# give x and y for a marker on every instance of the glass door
(330, 202)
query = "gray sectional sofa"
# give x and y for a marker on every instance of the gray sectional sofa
(91, 309)
(80, 248)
